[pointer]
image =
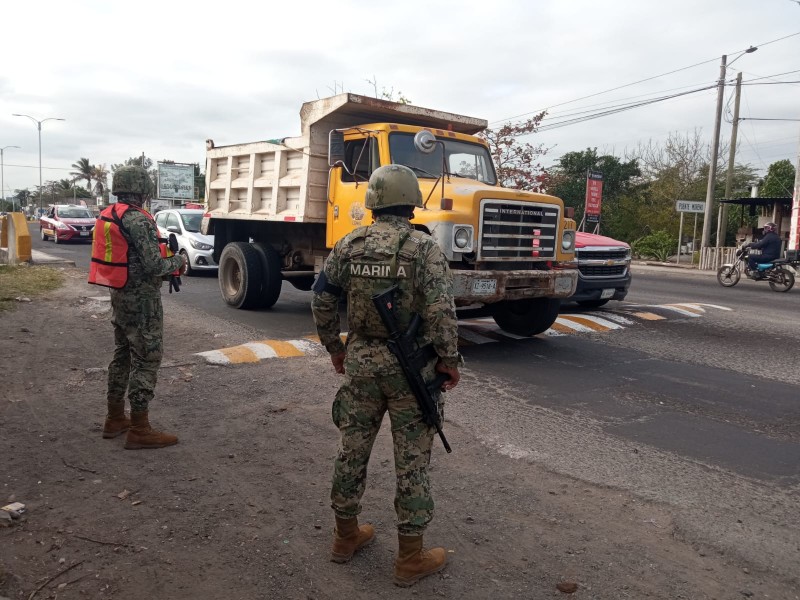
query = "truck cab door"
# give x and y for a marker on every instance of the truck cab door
(347, 187)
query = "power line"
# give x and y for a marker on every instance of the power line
(639, 81)
(580, 117)
(37, 166)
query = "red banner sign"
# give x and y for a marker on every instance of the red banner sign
(594, 195)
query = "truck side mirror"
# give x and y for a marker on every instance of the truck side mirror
(335, 148)
(425, 141)
(569, 212)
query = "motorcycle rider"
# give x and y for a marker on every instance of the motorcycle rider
(770, 246)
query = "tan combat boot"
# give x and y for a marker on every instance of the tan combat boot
(414, 562)
(349, 537)
(117, 422)
(142, 436)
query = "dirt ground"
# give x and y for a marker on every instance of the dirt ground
(239, 508)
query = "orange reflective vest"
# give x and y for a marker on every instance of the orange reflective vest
(109, 266)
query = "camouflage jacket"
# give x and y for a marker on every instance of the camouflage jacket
(369, 260)
(146, 266)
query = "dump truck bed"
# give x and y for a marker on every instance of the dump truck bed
(287, 180)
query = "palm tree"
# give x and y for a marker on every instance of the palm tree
(100, 174)
(83, 170)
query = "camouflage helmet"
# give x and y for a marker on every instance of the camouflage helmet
(131, 180)
(393, 185)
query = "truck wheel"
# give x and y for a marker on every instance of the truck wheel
(526, 317)
(271, 278)
(592, 303)
(240, 275)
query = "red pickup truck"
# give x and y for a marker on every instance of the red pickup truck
(603, 270)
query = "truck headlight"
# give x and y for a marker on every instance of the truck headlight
(568, 241)
(462, 238)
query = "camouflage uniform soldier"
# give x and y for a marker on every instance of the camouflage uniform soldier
(367, 261)
(137, 314)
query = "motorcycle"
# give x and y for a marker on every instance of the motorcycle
(780, 278)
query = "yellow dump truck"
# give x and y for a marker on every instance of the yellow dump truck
(277, 207)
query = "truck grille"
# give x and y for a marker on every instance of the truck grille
(588, 271)
(601, 254)
(588, 259)
(518, 231)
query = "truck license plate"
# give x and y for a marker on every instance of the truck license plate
(606, 294)
(484, 287)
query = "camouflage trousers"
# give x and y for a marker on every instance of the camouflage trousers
(358, 411)
(138, 321)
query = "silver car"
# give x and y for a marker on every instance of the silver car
(184, 224)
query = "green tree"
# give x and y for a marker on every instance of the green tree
(517, 163)
(83, 170)
(779, 181)
(567, 180)
(100, 174)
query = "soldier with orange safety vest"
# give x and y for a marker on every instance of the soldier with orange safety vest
(127, 257)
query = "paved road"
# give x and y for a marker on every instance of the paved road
(684, 366)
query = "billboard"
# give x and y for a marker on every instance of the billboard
(594, 196)
(175, 181)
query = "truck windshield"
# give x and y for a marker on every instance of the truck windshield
(464, 159)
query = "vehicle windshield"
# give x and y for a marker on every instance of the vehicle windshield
(191, 222)
(464, 159)
(75, 213)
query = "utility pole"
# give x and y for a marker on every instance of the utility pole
(712, 168)
(722, 225)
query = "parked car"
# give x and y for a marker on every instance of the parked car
(184, 224)
(604, 270)
(66, 222)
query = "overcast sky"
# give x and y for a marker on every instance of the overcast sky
(162, 77)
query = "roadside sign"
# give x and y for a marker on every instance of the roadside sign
(690, 206)
(594, 196)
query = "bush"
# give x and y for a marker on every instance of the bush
(659, 246)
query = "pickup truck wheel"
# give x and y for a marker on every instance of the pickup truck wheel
(240, 275)
(592, 303)
(526, 317)
(271, 278)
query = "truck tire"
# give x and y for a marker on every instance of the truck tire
(526, 317)
(240, 275)
(271, 279)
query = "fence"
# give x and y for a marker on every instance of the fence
(712, 259)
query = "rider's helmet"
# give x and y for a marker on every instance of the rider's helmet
(770, 227)
(393, 185)
(131, 180)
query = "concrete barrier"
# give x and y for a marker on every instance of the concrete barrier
(16, 237)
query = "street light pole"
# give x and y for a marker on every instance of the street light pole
(3, 177)
(722, 225)
(712, 168)
(39, 127)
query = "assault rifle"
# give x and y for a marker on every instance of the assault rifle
(412, 360)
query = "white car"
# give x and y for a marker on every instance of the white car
(184, 224)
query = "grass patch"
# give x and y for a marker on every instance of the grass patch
(26, 281)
